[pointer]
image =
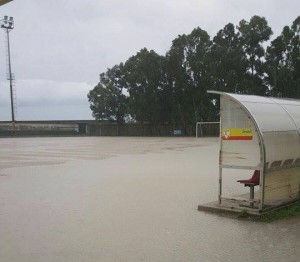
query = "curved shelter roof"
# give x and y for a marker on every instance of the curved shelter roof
(277, 122)
(272, 114)
(262, 133)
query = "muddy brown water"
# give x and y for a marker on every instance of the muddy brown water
(125, 199)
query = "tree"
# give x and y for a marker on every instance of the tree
(173, 88)
(189, 77)
(252, 36)
(283, 62)
(107, 99)
(227, 64)
(143, 75)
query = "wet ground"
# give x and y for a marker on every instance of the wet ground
(125, 199)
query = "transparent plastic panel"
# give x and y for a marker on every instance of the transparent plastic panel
(282, 186)
(250, 98)
(272, 114)
(239, 138)
(294, 111)
(270, 117)
(232, 115)
(265, 99)
(278, 121)
(280, 147)
(282, 101)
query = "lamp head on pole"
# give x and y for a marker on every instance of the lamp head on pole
(7, 23)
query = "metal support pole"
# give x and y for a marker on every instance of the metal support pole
(8, 24)
(220, 185)
(220, 167)
(252, 196)
(261, 189)
(10, 79)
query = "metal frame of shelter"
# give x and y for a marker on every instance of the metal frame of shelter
(262, 133)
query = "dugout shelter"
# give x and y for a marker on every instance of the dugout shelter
(261, 134)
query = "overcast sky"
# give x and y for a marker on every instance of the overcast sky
(59, 47)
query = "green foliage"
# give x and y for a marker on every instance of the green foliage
(107, 100)
(287, 212)
(252, 36)
(144, 82)
(243, 214)
(189, 78)
(227, 63)
(173, 88)
(283, 62)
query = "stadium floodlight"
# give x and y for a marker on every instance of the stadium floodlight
(8, 24)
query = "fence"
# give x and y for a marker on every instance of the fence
(205, 129)
(141, 130)
(94, 128)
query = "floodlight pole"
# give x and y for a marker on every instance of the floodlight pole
(8, 24)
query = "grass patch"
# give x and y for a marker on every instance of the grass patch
(290, 211)
(243, 214)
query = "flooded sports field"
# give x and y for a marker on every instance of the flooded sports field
(125, 199)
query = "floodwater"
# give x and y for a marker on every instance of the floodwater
(125, 199)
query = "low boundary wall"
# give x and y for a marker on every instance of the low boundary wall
(95, 128)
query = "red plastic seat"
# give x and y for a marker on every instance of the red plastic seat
(253, 181)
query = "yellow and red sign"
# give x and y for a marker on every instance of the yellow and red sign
(237, 134)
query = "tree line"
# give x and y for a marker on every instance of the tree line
(151, 88)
